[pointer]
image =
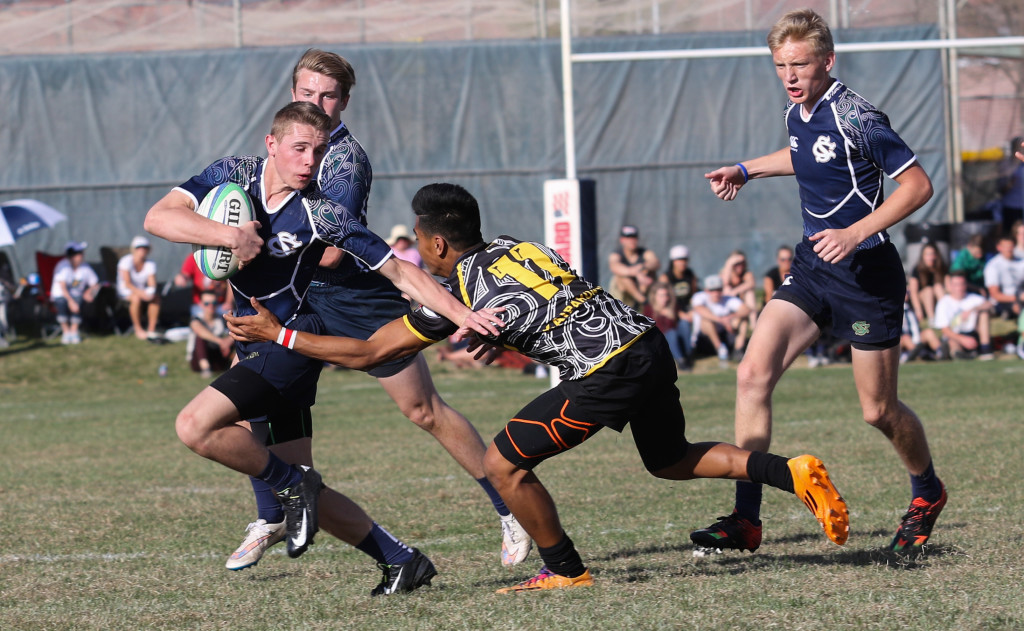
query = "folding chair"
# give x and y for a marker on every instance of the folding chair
(45, 312)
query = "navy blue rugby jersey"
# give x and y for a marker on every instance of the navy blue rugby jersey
(551, 315)
(294, 234)
(345, 177)
(840, 155)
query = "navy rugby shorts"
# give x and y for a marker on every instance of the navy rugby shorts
(291, 376)
(365, 303)
(862, 295)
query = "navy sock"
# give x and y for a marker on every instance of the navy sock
(384, 547)
(562, 558)
(280, 475)
(748, 501)
(926, 486)
(267, 506)
(499, 504)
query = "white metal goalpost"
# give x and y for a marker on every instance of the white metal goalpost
(950, 43)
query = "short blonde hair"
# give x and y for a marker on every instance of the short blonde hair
(328, 64)
(802, 25)
(299, 113)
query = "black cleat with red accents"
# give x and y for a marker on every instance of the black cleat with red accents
(916, 525)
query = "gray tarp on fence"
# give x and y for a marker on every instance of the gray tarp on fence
(102, 137)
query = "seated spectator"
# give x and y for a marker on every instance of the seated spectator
(403, 245)
(8, 289)
(1020, 323)
(209, 345)
(136, 285)
(1011, 186)
(971, 261)
(773, 278)
(683, 282)
(190, 274)
(632, 268)
(661, 307)
(680, 277)
(962, 318)
(722, 319)
(1017, 232)
(927, 283)
(1004, 274)
(74, 283)
(739, 281)
(915, 342)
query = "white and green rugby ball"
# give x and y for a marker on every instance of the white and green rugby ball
(227, 204)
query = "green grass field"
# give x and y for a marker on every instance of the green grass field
(108, 522)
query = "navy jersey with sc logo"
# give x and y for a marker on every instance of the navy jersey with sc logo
(295, 234)
(840, 154)
(551, 314)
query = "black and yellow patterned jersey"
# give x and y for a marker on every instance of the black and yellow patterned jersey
(551, 315)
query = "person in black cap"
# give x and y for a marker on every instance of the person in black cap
(74, 283)
(633, 268)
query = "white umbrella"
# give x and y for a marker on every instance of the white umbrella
(22, 216)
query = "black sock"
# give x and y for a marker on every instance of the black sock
(771, 470)
(562, 558)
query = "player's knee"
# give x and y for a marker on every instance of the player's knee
(421, 413)
(496, 467)
(878, 414)
(189, 432)
(751, 377)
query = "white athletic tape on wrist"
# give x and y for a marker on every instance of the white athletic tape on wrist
(287, 337)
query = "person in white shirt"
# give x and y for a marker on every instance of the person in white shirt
(136, 285)
(1004, 274)
(963, 320)
(723, 319)
(74, 282)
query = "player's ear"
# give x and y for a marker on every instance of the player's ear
(830, 60)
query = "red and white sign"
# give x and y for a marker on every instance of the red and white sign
(562, 220)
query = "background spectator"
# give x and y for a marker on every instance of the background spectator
(739, 281)
(963, 320)
(680, 277)
(1017, 232)
(915, 342)
(402, 243)
(136, 285)
(1012, 188)
(927, 283)
(190, 274)
(683, 282)
(632, 268)
(971, 261)
(722, 319)
(74, 283)
(1004, 274)
(773, 278)
(209, 345)
(661, 307)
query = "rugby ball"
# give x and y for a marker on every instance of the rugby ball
(227, 204)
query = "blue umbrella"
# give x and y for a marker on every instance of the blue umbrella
(22, 216)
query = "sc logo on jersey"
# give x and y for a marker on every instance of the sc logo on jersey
(283, 244)
(824, 149)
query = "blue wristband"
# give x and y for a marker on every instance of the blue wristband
(746, 176)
